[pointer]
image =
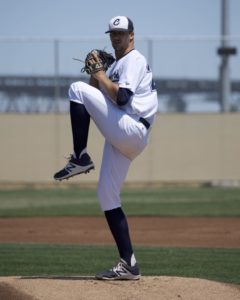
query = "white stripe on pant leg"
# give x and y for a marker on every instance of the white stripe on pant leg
(113, 172)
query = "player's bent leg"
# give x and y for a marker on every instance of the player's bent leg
(118, 128)
(79, 162)
(123, 131)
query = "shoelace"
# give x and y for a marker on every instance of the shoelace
(119, 267)
(68, 158)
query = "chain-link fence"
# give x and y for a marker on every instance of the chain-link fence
(35, 73)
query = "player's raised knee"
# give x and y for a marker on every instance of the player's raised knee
(74, 92)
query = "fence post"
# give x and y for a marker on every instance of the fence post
(55, 104)
(56, 75)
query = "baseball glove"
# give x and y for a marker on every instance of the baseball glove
(97, 60)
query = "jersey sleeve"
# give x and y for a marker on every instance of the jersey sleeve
(132, 73)
(123, 96)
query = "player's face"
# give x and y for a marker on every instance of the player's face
(121, 41)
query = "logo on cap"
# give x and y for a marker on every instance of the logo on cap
(120, 23)
(116, 22)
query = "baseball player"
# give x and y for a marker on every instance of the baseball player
(122, 103)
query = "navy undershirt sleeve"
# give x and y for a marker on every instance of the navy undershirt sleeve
(123, 96)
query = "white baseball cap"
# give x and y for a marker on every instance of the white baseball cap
(120, 23)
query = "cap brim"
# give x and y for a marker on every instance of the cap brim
(118, 29)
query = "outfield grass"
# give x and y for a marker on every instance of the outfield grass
(148, 201)
(67, 260)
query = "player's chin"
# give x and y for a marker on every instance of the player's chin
(117, 46)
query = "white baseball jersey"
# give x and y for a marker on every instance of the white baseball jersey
(132, 72)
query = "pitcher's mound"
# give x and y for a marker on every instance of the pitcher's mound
(75, 288)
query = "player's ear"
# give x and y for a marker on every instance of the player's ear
(131, 34)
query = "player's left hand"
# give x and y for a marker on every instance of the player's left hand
(97, 60)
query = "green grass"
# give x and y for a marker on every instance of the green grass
(148, 201)
(68, 260)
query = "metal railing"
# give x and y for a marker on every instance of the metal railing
(175, 58)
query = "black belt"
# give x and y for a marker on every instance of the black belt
(144, 122)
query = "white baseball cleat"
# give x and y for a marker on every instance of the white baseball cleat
(121, 272)
(75, 166)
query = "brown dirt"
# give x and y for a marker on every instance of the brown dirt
(147, 288)
(154, 231)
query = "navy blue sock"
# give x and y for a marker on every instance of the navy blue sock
(119, 227)
(80, 120)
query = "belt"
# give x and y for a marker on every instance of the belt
(144, 122)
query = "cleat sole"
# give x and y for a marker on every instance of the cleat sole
(84, 172)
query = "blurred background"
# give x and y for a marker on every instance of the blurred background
(193, 49)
